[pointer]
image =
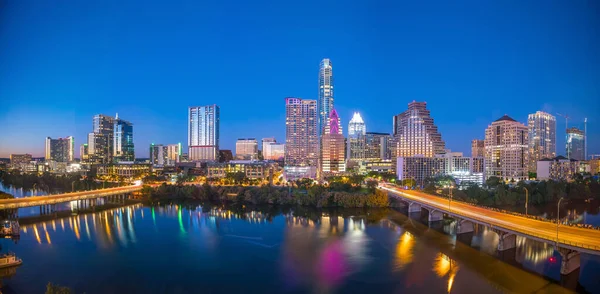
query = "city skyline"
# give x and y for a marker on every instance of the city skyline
(544, 68)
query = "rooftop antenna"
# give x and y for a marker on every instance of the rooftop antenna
(585, 138)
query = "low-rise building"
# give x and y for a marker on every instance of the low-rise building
(124, 169)
(465, 170)
(559, 168)
(261, 170)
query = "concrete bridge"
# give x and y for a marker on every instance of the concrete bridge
(49, 200)
(569, 241)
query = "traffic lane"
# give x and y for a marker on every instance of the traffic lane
(520, 224)
(83, 193)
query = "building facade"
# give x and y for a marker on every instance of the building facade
(332, 147)
(542, 137)
(100, 140)
(356, 144)
(507, 150)
(252, 169)
(60, 150)
(126, 170)
(557, 168)
(17, 159)
(274, 151)
(246, 149)
(123, 149)
(265, 142)
(325, 93)
(165, 155)
(301, 137)
(465, 170)
(377, 146)
(575, 144)
(477, 148)
(203, 133)
(416, 134)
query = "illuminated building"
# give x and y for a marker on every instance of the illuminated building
(332, 147)
(356, 138)
(252, 169)
(265, 142)
(415, 132)
(325, 93)
(100, 140)
(465, 170)
(83, 152)
(301, 138)
(575, 144)
(60, 150)
(542, 137)
(274, 151)
(506, 150)
(377, 146)
(18, 159)
(203, 133)
(477, 148)
(594, 164)
(558, 168)
(246, 149)
(123, 140)
(127, 170)
(165, 155)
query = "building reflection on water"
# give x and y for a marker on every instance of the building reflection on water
(322, 250)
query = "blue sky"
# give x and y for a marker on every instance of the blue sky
(61, 62)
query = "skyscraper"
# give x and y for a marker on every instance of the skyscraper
(60, 150)
(377, 146)
(274, 151)
(100, 140)
(265, 142)
(332, 146)
(165, 155)
(356, 144)
(542, 137)
(575, 144)
(123, 140)
(506, 150)
(246, 149)
(203, 133)
(477, 148)
(325, 93)
(415, 133)
(301, 136)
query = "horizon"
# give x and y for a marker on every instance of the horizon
(150, 63)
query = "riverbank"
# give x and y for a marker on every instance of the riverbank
(316, 195)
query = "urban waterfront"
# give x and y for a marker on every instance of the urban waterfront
(179, 249)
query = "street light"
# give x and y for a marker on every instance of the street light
(526, 199)
(558, 217)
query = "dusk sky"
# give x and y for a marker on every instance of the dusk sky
(61, 62)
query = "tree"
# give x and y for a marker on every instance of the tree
(372, 185)
(493, 182)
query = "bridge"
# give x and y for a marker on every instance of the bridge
(49, 200)
(568, 240)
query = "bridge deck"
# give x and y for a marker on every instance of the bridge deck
(582, 239)
(59, 198)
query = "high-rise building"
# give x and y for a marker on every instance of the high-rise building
(60, 150)
(265, 142)
(274, 151)
(465, 170)
(17, 159)
(203, 133)
(356, 144)
(246, 149)
(332, 147)
(506, 150)
(377, 146)
(122, 140)
(542, 137)
(100, 140)
(165, 155)
(83, 152)
(325, 93)
(415, 133)
(575, 144)
(477, 148)
(301, 136)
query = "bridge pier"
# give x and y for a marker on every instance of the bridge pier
(414, 207)
(435, 216)
(464, 226)
(570, 261)
(506, 241)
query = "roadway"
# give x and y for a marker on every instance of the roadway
(66, 197)
(585, 240)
